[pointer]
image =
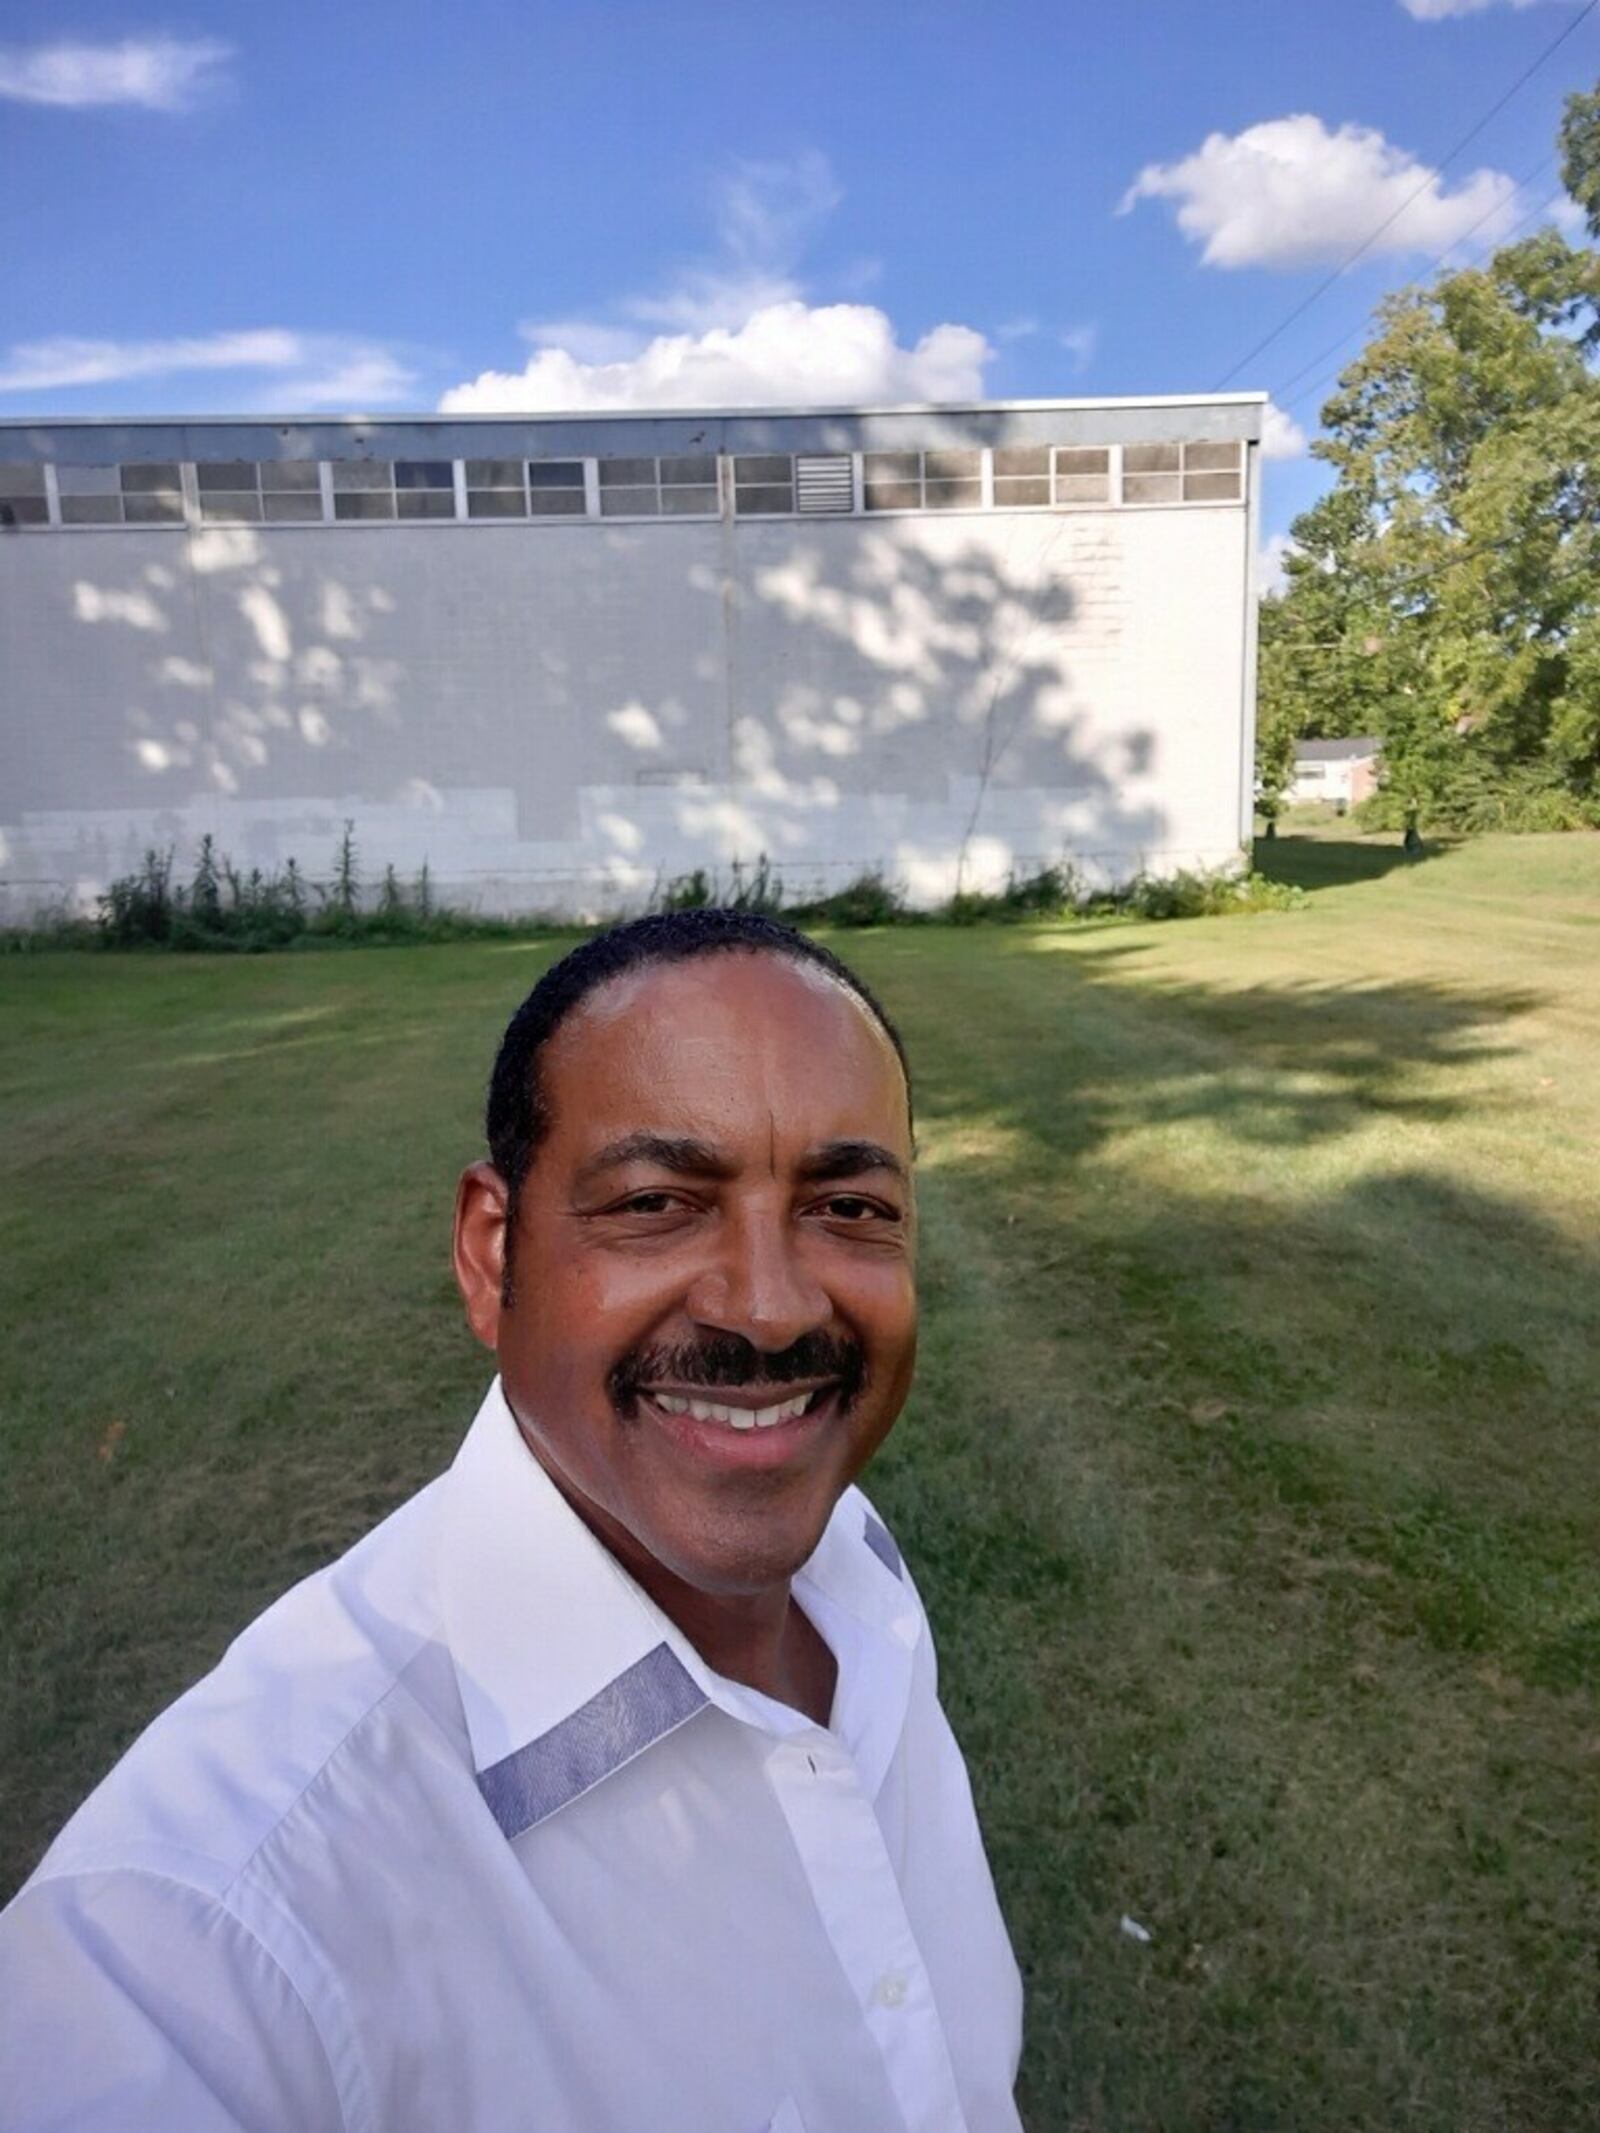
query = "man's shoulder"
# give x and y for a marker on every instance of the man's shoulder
(213, 1775)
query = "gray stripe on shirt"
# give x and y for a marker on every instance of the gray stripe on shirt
(647, 1700)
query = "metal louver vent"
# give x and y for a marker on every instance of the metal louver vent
(824, 484)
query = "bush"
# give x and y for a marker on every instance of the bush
(220, 909)
(869, 900)
(1188, 894)
(1481, 796)
(686, 892)
(1048, 892)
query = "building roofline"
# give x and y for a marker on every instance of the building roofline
(270, 418)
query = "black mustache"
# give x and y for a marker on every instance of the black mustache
(728, 1359)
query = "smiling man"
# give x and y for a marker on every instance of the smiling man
(605, 1785)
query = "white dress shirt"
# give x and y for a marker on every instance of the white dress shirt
(463, 1835)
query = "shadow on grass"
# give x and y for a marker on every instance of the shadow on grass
(1251, 1485)
(1312, 863)
(1074, 1056)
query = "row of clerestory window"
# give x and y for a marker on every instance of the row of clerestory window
(684, 485)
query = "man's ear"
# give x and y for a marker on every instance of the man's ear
(480, 1248)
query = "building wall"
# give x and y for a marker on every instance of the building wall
(552, 716)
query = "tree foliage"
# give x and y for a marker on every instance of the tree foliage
(1446, 593)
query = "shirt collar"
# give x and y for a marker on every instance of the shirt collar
(567, 1669)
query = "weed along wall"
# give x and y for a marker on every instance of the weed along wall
(556, 660)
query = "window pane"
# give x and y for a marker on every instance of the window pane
(232, 474)
(689, 503)
(1150, 458)
(628, 503)
(380, 505)
(564, 503)
(951, 466)
(351, 474)
(494, 473)
(282, 474)
(1022, 459)
(88, 481)
(24, 511)
(893, 466)
(765, 498)
(954, 495)
(239, 504)
(1150, 488)
(1083, 488)
(566, 473)
(91, 511)
(305, 510)
(1075, 459)
(21, 481)
(145, 480)
(1032, 490)
(690, 471)
(423, 474)
(157, 509)
(496, 503)
(1211, 458)
(1211, 488)
(627, 473)
(762, 467)
(427, 503)
(892, 495)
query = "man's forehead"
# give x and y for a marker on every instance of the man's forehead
(724, 1042)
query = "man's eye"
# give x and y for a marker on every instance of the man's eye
(647, 1203)
(850, 1207)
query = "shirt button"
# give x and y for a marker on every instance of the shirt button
(890, 1990)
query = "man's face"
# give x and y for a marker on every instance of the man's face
(721, 1217)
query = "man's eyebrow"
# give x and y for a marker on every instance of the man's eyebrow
(848, 1159)
(667, 1151)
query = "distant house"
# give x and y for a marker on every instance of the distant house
(1342, 771)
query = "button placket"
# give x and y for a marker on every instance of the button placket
(853, 1883)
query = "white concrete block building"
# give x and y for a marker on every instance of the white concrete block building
(562, 657)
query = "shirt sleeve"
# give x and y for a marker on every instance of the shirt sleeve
(131, 2002)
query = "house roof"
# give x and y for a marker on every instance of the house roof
(1350, 751)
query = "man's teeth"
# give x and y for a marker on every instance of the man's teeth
(739, 1417)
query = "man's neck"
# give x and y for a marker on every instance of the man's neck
(762, 1638)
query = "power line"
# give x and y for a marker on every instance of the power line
(1315, 388)
(1391, 219)
(1432, 267)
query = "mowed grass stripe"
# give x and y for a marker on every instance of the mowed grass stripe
(1250, 1475)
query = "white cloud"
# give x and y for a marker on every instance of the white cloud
(155, 73)
(1270, 574)
(304, 369)
(786, 354)
(1442, 10)
(1080, 342)
(46, 366)
(1290, 193)
(1281, 436)
(353, 380)
(738, 329)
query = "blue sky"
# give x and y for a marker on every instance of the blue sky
(503, 203)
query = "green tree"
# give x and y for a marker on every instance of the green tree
(1446, 594)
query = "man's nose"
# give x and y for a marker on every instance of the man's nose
(759, 1285)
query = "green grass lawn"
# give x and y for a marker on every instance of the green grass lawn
(1252, 1476)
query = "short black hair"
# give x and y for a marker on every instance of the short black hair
(518, 1116)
